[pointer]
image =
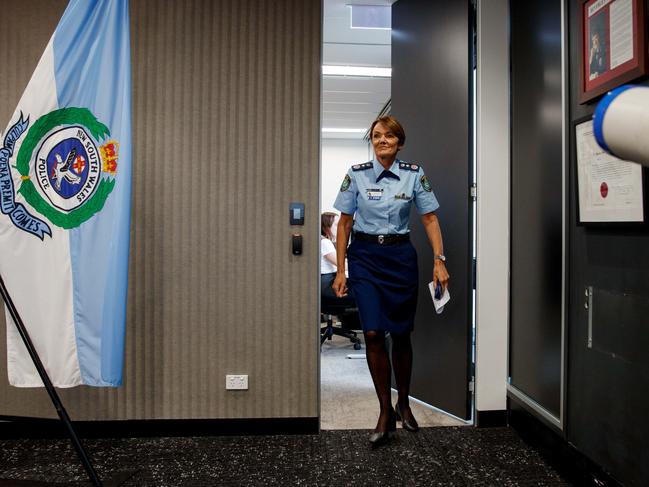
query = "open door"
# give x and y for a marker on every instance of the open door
(431, 95)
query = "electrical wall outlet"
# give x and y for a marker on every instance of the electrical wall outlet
(236, 382)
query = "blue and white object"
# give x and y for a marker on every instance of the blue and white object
(440, 296)
(65, 187)
(621, 123)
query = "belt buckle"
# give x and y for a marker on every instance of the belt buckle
(381, 239)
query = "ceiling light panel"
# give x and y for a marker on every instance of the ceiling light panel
(363, 71)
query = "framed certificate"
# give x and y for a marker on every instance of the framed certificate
(613, 45)
(608, 189)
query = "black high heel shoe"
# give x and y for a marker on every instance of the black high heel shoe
(379, 438)
(409, 424)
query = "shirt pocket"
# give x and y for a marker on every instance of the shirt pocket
(402, 203)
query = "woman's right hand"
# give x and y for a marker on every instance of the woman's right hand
(340, 285)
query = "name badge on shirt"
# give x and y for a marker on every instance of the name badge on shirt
(374, 194)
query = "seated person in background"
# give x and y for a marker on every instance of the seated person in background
(328, 266)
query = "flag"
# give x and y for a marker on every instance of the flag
(65, 186)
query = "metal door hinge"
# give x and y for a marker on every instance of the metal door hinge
(474, 192)
(472, 385)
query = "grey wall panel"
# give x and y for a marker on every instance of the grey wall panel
(536, 195)
(226, 117)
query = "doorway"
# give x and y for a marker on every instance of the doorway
(356, 89)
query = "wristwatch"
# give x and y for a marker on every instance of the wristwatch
(441, 257)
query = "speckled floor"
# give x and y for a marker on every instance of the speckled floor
(444, 456)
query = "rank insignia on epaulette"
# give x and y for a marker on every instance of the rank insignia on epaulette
(361, 167)
(408, 166)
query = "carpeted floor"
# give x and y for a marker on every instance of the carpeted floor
(442, 456)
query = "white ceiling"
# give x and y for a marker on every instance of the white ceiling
(352, 102)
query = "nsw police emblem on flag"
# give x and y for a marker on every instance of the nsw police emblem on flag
(67, 166)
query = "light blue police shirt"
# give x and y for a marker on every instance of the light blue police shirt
(382, 198)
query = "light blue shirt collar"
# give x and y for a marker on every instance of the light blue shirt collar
(378, 168)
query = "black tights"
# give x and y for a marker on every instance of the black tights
(380, 369)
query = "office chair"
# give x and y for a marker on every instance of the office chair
(339, 307)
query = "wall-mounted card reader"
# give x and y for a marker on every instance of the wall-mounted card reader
(297, 244)
(296, 213)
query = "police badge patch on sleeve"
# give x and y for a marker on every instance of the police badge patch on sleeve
(425, 184)
(346, 183)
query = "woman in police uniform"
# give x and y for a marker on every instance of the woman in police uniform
(383, 271)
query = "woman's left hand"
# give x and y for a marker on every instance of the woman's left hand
(440, 274)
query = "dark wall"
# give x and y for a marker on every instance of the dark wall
(431, 97)
(536, 200)
(607, 388)
(608, 394)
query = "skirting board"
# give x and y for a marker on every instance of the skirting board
(491, 419)
(26, 427)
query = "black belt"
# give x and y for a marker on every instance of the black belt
(389, 239)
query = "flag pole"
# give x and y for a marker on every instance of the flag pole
(58, 405)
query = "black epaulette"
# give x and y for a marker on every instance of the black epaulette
(409, 167)
(361, 167)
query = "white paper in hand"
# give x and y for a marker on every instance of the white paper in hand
(442, 297)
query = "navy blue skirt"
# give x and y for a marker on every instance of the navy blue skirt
(385, 280)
